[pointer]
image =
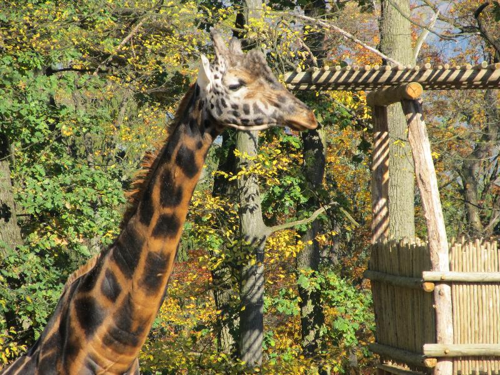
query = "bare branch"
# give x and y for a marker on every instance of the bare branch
(442, 17)
(122, 43)
(51, 71)
(308, 220)
(484, 32)
(493, 222)
(314, 60)
(346, 35)
(427, 28)
(349, 217)
(423, 35)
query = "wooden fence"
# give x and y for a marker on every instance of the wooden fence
(476, 306)
(405, 315)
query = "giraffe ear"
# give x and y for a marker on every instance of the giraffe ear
(221, 50)
(205, 77)
(235, 47)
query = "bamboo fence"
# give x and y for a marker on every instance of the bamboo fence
(405, 314)
(476, 306)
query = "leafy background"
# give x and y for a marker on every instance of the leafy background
(80, 108)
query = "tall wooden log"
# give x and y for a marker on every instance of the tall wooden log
(438, 242)
(380, 175)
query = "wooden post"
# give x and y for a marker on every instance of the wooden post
(380, 175)
(438, 243)
(394, 94)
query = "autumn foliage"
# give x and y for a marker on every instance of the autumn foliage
(88, 87)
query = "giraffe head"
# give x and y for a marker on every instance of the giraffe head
(242, 92)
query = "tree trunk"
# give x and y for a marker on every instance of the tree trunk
(395, 42)
(253, 236)
(227, 324)
(478, 223)
(311, 311)
(10, 234)
(224, 290)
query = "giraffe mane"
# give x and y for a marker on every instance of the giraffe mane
(150, 161)
(83, 270)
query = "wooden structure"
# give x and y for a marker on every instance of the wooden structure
(406, 333)
(437, 308)
(367, 78)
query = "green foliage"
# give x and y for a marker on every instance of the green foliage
(496, 11)
(30, 287)
(349, 319)
(74, 149)
(352, 309)
(69, 199)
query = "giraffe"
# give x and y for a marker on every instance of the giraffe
(108, 306)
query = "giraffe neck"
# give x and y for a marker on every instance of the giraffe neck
(145, 250)
(104, 317)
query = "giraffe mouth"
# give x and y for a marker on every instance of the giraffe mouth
(302, 126)
(249, 128)
(294, 124)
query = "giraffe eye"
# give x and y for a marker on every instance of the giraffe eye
(236, 86)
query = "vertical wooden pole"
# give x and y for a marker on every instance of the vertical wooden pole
(380, 175)
(438, 242)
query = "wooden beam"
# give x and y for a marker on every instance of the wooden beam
(401, 281)
(431, 78)
(462, 350)
(431, 204)
(380, 175)
(467, 277)
(403, 356)
(390, 95)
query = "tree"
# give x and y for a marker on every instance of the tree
(311, 310)
(224, 274)
(396, 42)
(253, 240)
(10, 233)
(465, 126)
(479, 173)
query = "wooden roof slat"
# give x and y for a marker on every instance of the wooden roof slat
(355, 78)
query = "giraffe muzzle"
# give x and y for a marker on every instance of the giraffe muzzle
(302, 123)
